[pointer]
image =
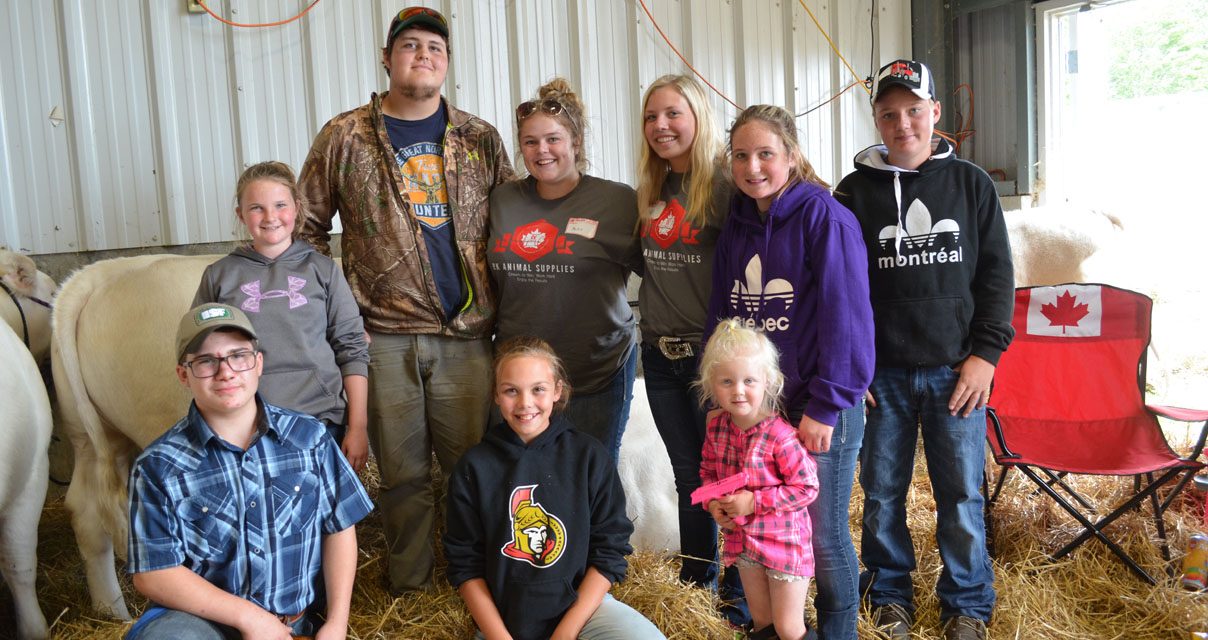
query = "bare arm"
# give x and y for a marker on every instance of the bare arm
(339, 571)
(591, 593)
(482, 608)
(181, 589)
(356, 438)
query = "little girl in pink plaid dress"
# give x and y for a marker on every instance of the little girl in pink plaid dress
(767, 529)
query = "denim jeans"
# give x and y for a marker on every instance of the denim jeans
(836, 568)
(955, 452)
(615, 620)
(160, 623)
(603, 414)
(680, 420)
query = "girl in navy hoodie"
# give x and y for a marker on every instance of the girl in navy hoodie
(537, 532)
(791, 262)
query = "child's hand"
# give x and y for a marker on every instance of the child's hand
(739, 503)
(356, 446)
(816, 436)
(719, 515)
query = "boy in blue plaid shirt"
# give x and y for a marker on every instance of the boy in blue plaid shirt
(238, 509)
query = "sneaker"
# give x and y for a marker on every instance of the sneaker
(894, 621)
(964, 628)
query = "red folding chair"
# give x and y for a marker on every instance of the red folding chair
(1069, 398)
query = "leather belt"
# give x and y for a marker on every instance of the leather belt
(674, 348)
(290, 620)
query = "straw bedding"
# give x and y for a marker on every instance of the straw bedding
(1087, 596)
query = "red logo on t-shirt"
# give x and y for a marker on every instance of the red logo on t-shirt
(671, 225)
(533, 241)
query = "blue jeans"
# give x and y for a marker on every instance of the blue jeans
(603, 414)
(955, 452)
(680, 420)
(170, 624)
(615, 620)
(836, 568)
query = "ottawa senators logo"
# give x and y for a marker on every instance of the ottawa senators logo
(538, 536)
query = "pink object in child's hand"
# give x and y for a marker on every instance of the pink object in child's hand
(714, 490)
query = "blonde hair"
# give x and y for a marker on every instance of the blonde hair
(273, 171)
(782, 124)
(703, 158)
(731, 340)
(532, 347)
(573, 116)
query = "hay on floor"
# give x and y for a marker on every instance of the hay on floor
(1089, 595)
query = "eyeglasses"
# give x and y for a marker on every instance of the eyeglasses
(548, 106)
(411, 12)
(208, 366)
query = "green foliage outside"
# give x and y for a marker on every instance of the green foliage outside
(1161, 49)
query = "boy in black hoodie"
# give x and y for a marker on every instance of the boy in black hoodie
(942, 289)
(537, 532)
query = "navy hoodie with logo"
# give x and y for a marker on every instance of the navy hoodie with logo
(939, 260)
(801, 276)
(563, 486)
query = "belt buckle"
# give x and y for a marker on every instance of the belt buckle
(675, 348)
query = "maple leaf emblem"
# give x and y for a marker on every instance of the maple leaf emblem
(1065, 313)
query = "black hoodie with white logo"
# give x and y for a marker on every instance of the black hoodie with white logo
(530, 519)
(939, 261)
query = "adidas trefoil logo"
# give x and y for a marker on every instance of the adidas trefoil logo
(763, 306)
(922, 242)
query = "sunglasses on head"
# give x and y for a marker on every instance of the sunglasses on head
(410, 12)
(549, 106)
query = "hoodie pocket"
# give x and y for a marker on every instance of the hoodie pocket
(291, 388)
(921, 332)
(532, 609)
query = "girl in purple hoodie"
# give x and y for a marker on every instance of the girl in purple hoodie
(791, 262)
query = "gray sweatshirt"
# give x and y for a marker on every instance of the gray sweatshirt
(308, 323)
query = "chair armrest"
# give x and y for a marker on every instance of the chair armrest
(1178, 413)
(1185, 415)
(992, 416)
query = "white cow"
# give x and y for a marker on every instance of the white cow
(25, 425)
(112, 360)
(114, 328)
(33, 291)
(1057, 244)
(645, 470)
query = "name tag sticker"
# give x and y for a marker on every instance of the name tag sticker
(585, 227)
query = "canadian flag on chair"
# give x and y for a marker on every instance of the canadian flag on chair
(1067, 311)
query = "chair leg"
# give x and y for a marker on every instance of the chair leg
(1091, 528)
(1058, 479)
(1002, 478)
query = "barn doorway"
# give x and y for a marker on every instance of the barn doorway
(1120, 86)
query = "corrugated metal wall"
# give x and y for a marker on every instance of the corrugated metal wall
(125, 123)
(985, 47)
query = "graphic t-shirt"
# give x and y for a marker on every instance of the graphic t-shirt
(419, 152)
(674, 295)
(561, 266)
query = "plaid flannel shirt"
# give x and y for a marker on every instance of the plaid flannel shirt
(784, 480)
(250, 523)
